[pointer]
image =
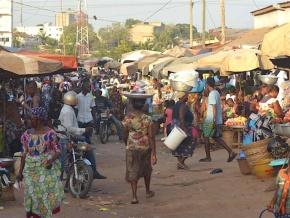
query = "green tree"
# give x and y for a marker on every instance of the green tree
(70, 38)
(42, 35)
(184, 30)
(111, 36)
(130, 22)
(16, 36)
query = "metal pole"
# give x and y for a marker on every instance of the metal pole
(190, 23)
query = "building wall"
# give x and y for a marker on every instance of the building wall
(68, 18)
(273, 18)
(54, 32)
(143, 32)
(6, 23)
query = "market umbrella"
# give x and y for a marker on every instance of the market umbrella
(128, 69)
(160, 60)
(236, 60)
(277, 42)
(15, 65)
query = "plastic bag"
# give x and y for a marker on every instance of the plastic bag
(216, 132)
(278, 147)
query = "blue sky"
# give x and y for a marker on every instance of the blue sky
(177, 11)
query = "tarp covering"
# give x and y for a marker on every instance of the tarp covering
(238, 60)
(178, 68)
(144, 52)
(178, 51)
(13, 65)
(70, 62)
(128, 69)
(277, 42)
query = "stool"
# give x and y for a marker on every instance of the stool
(8, 194)
(237, 131)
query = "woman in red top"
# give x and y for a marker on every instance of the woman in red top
(168, 116)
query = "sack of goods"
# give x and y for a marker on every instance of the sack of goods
(183, 80)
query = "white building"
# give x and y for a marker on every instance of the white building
(29, 43)
(272, 15)
(6, 23)
(54, 32)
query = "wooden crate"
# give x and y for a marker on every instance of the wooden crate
(8, 194)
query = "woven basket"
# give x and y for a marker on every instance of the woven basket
(8, 194)
(256, 151)
(229, 137)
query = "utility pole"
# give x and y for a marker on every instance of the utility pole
(21, 13)
(63, 39)
(223, 22)
(190, 23)
(203, 23)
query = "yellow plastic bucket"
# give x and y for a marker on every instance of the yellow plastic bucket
(205, 75)
(263, 170)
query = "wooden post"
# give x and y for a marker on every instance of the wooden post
(203, 23)
(190, 23)
(223, 40)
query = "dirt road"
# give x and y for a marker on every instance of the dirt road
(178, 193)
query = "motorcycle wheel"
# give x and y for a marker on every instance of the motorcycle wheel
(81, 187)
(103, 133)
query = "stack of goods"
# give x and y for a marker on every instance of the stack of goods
(183, 81)
(237, 121)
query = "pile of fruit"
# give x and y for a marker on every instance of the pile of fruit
(237, 121)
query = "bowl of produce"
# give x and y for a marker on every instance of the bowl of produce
(268, 79)
(285, 129)
(180, 86)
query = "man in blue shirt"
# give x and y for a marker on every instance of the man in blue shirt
(214, 118)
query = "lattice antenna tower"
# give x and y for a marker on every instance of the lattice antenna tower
(82, 42)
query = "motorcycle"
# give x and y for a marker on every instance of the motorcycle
(4, 177)
(106, 127)
(80, 174)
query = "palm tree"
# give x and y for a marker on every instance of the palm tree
(42, 35)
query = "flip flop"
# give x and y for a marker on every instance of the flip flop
(204, 160)
(151, 194)
(134, 202)
(232, 156)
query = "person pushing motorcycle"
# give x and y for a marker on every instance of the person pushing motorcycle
(69, 123)
(102, 103)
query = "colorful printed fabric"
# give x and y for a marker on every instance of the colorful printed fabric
(39, 112)
(35, 145)
(138, 164)
(207, 128)
(281, 181)
(195, 108)
(138, 131)
(187, 146)
(43, 191)
(116, 98)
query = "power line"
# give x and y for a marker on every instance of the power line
(210, 16)
(157, 10)
(255, 4)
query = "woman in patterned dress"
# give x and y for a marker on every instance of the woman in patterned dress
(40, 168)
(140, 147)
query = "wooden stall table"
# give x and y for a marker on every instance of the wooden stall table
(238, 130)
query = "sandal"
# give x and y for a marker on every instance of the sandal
(204, 160)
(232, 156)
(150, 194)
(182, 166)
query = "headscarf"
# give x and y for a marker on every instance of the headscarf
(39, 112)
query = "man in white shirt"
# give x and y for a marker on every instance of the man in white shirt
(86, 109)
(69, 123)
